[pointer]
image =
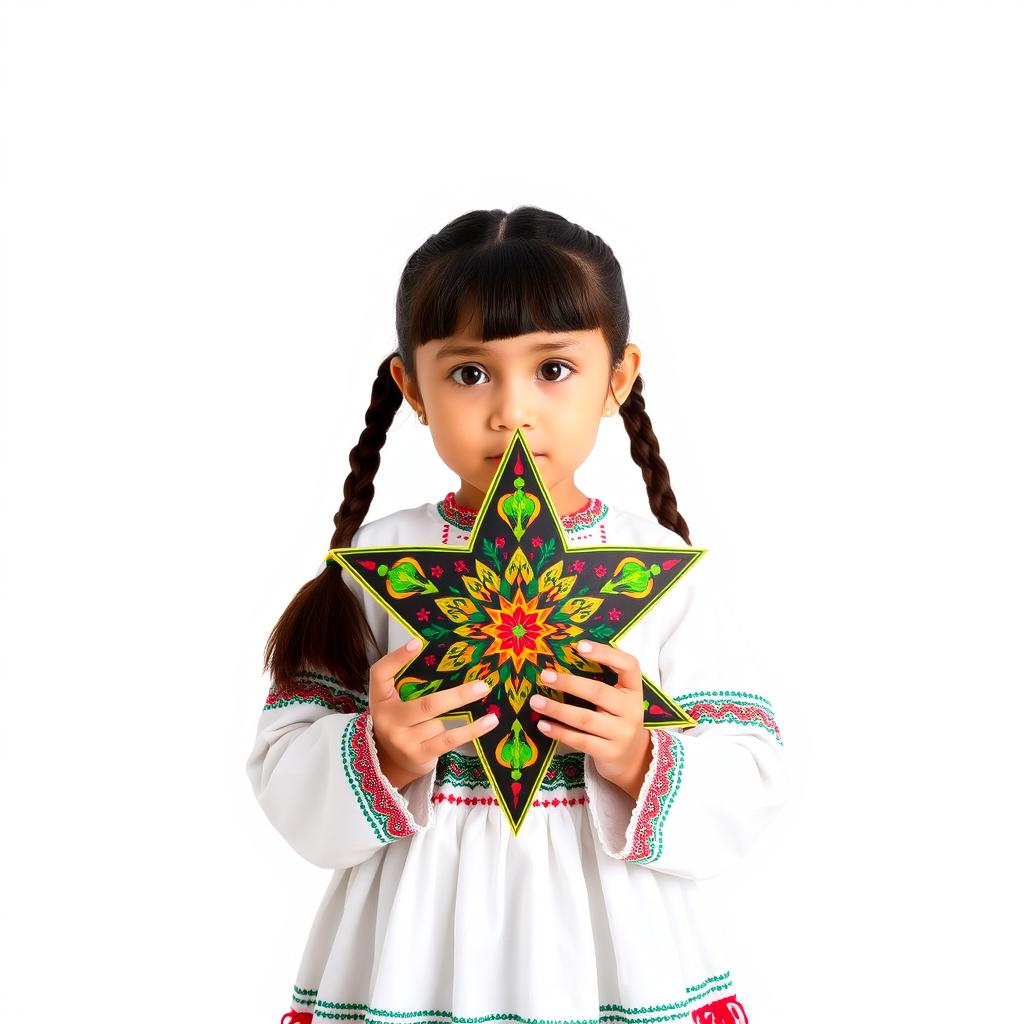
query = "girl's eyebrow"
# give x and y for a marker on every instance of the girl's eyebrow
(481, 350)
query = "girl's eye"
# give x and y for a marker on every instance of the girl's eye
(471, 368)
(564, 366)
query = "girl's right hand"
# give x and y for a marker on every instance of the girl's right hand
(409, 736)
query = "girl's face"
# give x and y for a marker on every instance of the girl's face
(554, 386)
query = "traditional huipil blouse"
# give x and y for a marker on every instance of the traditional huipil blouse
(436, 911)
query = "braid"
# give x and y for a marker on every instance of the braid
(644, 447)
(324, 628)
(364, 459)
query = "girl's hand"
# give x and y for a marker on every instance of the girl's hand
(614, 733)
(409, 736)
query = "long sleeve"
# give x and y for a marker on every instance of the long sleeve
(315, 771)
(709, 790)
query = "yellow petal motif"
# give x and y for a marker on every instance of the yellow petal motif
(488, 577)
(518, 565)
(457, 655)
(476, 589)
(579, 609)
(562, 589)
(549, 577)
(458, 609)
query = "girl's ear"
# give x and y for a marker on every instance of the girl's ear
(405, 384)
(624, 373)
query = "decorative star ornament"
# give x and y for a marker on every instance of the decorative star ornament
(509, 605)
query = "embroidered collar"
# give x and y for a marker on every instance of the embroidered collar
(463, 517)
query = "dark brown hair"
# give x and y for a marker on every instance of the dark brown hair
(524, 271)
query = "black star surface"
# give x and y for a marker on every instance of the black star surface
(510, 604)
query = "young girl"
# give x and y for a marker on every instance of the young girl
(435, 910)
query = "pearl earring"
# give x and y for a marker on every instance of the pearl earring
(423, 419)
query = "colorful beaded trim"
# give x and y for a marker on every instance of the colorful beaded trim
(463, 517)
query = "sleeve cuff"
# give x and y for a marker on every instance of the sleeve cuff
(391, 813)
(632, 831)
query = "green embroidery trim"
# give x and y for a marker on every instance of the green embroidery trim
(756, 697)
(376, 820)
(610, 1012)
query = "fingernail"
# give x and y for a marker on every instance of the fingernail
(489, 719)
(547, 676)
(584, 646)
(480, 688)
(412, 645)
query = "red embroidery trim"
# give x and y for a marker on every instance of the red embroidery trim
(664, 759)
(553, 802)
(373, 783)
(308, 690)
(744, 712)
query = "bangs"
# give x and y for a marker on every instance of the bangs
(502, 290)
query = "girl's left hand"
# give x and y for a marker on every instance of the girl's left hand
(613, 733)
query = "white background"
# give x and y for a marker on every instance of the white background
(206, 209)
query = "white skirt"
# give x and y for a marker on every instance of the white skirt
(466, 921)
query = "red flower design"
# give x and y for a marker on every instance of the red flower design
(577, 566)
(600, 571)
(460, 566)
(536, 542)
(430, 659)
(499, 542)
(436, 571)
(423, 614)
(614, 614)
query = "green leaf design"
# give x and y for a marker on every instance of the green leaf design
(405, 579)
(633, 578)
(410, 691)
(492, 552)
(546, 550)
(432, 631)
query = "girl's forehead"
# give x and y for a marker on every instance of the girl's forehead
(534, 343)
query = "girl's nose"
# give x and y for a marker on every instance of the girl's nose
(513, 408)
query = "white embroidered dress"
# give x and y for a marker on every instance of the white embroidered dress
(435, 911)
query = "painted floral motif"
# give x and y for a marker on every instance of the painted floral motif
(512, 603)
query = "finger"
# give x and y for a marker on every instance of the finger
(581, 741)
(430, 705)
(596, 723)
(382, 673)
(626, 667)
(444, 740)
(601, 694)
